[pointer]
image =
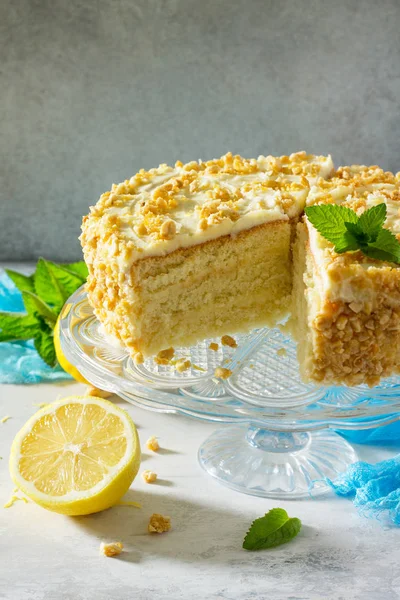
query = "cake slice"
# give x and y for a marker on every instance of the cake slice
(346, 307)
(179, 254)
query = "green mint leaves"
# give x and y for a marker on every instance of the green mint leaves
(43, 294)
(342, 227)
(273, 529)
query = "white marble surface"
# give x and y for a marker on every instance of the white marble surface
(337, 555)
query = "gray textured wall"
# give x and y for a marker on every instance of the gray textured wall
(92, 90)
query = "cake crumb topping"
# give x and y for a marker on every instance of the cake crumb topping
(152, 443)
(222, 373)
(149, 476)
(227, 340)
(112, 549)
(182, 364)
(213, 346)
(159, 524)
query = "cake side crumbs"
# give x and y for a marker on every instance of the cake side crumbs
(182, 364)
(164, 356)
(213, 346)
(152, 443)
(159, 523)
(227, 340)
(222, 373)
(149, 476)
(112, 549)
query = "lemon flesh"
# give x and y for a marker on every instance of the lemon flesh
(76, 456)
(65, 364)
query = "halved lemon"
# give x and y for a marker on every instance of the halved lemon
(65, 364)
(76, 456)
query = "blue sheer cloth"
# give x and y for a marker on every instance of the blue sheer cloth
(19, 361)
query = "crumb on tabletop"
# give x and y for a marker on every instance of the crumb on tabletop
(149, 476)
(94, 391)
(152, 443)
(227, 340)
(164, 356)
(222, 373)
(159, 524)
(281, 352)
(112, 549)
(197, 368)
(4, 419)
(213, 346)
(182, 364)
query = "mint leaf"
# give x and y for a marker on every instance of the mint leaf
(372, 220)
(273, 529)
(330, 219)
(47, 287)
(68, 280)
(348, 232)
(386, 247)
(346, 243)
(44, 345)
(79, 268)
(16, 326)
(22, 282)
(36, 307)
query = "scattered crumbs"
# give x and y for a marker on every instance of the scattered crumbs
(198, 368)
(94, 391)
(112, 549)
(281, 352)
(159, 524)
(149, 476)
(182, 364)
(222, 373)
(251, 366)
(14, 498)
(213, 346)
(4, 419)
(138, 358)
(129, 503)
(152, 443)
(227, 340)
(226, 361)
(164, 356)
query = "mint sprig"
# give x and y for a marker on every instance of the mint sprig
(349, 232)
(271, 530)
(43, 294)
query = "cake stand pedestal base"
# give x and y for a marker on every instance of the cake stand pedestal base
(272, 464)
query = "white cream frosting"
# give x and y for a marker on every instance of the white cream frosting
(198, 202)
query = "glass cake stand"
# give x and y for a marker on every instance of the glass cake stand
(280, 442)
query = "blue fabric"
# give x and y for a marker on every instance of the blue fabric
(19, 361)
(375, 489)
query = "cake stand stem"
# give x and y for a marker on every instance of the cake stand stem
(274, 464)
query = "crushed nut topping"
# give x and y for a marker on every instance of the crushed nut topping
(159, 524)
(112, 549)
(227, 340)
(152, 443)
(222, 373)
(149, 476)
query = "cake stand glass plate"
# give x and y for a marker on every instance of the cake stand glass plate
(280, 442)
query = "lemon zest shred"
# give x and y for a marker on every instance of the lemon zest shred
(14, 498)
(4, 419)
(129, 503)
